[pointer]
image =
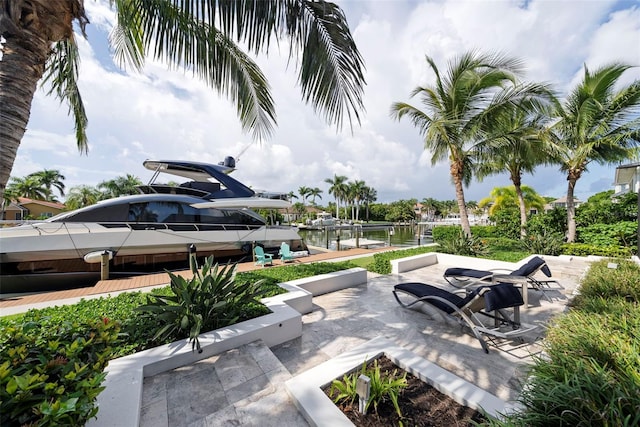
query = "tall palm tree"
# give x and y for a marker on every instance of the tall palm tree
(313, 193)
(291, 195)
(201, 36)
(120, 186)
(304, 193)
(338, 188)
(369, 195)
(50, 178)
(457, 110)
(598, 122)
(517, 144)
(29, 187)
(358, 188)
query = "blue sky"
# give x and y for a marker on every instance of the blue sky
(165, 114)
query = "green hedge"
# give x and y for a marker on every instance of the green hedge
(382, 261)
(583, 249)
(51, 372)
(448, 232)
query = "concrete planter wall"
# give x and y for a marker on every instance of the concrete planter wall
(120, 403)
(306, 388)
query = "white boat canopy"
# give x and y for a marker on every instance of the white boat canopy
(244, 202)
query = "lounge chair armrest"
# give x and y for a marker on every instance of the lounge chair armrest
(496, 270)
(507, 278)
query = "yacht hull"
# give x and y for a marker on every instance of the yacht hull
(32, 254)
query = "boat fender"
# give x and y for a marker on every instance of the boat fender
(96, 256)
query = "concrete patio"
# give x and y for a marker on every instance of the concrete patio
(246, 385)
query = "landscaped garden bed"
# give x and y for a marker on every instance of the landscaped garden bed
(418, 403)
(52, 360)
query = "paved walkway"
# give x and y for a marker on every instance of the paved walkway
(245, 386)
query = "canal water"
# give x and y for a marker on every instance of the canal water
(401, 236)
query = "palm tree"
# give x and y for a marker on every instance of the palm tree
(313, 193)
(304, 193)
(120, 186)
(81, 196)
(430, 205)
(201, 36)
(358, 188)
(596, 123)
(508, 197)
(516, 145)
(29, 187)
(458, 108)
(291, 195)
(338, 188)
(369, 195)
(50, 178)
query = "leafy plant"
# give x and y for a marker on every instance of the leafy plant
(345, 389)
(623, 233)
(209, 300)
(507, 222)
(544, 243)
(464, 245)
(383, 385)
(51, 375)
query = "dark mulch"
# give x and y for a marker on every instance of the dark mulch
(421, 406)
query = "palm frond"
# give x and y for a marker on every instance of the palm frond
(331, 69)
(61, 72)
(171, 34)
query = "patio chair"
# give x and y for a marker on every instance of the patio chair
(262, 258)
(285, 253)
(460, 277)
(468, 309)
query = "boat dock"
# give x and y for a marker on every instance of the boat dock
(361, 243)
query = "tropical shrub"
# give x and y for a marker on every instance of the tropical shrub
(51, 373)
(623, 233)
(544, 243)
(553, 221)
(602, 208)
(464, 245)
(485, 231)
(603, 281)
(445, 232)
(507, 223)
(590, 373)
(211, 299)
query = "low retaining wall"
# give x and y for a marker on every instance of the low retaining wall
(120, 403)
(306, 388)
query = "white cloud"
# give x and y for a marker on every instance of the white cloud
(168, 114)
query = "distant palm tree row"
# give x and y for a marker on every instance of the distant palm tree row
(38, 186)
(348, 194)
(484, 121)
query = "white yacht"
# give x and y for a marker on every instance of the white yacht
(210, 213)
